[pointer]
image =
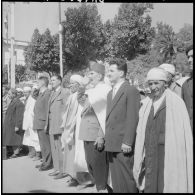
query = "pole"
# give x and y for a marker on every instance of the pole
(12, 48)
(60, 40)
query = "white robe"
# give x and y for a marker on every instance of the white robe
(30, 136)
(79, 160)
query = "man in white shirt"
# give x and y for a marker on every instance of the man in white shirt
(123, 103)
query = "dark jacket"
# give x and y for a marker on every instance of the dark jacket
(40, 110)
(13, 118)
(122, 117)
(187, 95)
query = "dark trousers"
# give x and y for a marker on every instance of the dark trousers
(97, 164)
(56, 150)
(45, 148)
(121, 167)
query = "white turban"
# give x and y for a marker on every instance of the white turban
(26, 89)
(19, 90)
(157, 74)
(77, 78)
(169, 68)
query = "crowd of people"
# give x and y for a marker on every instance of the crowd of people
(103, 132)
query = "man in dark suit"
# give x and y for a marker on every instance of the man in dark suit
(56, 109)
(40, 114)
(123, 105)
(13, 132)
(187, 87)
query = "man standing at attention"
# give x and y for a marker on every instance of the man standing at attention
(123, 103)
(92, 127)
(40, 116)
(57, 104)
(187, 88)
(163, 160)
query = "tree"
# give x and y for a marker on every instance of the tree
(20, 73)
(131, 30)
(165, 42)
(184, 37)
(42, 54)
(5, 74)
(83, 37)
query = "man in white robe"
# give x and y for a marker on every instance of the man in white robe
(30, 138)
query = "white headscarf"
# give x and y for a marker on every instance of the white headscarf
(77, 78)
(168, 67)
(158, 74)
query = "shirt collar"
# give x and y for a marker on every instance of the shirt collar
(117, 85)
(57, 89)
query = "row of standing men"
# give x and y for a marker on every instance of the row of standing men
(89, 134)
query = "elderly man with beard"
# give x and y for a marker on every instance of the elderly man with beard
(13, 132)
(69, 138)
(163, 160)
(187, 88)
(92, 127)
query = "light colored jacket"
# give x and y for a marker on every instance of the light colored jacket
(56, 109)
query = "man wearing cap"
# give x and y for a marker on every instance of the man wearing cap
(56, 109)
(187, 88)
(13, 132)
(123, 104)
(92, 126)
(163, 160)
(174, 85)
(40, 113)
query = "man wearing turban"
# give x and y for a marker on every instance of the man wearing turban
(174, 85)
(73, 148)
(163, 161)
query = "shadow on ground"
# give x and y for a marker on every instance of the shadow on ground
(40, 191)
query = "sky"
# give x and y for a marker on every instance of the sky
(29, 16)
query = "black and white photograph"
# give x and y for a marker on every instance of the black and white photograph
(96, 97)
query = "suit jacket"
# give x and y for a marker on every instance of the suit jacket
(40, 110)
(56, 109)
(122, 117)
(90, 128)
(187, 95)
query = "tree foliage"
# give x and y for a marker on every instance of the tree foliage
(20, 73)
(83, 36)
(130, 32)
(184, 37)
(42, 54)
(165, 42)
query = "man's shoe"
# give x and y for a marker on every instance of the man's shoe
(60, 176)
(109, 189)
(54, 173)
(39, 166)
(73, 183)
(13, 156)
(36, 158)
(45, 168)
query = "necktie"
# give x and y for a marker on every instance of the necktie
(113, 92)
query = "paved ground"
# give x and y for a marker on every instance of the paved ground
(21, 176)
